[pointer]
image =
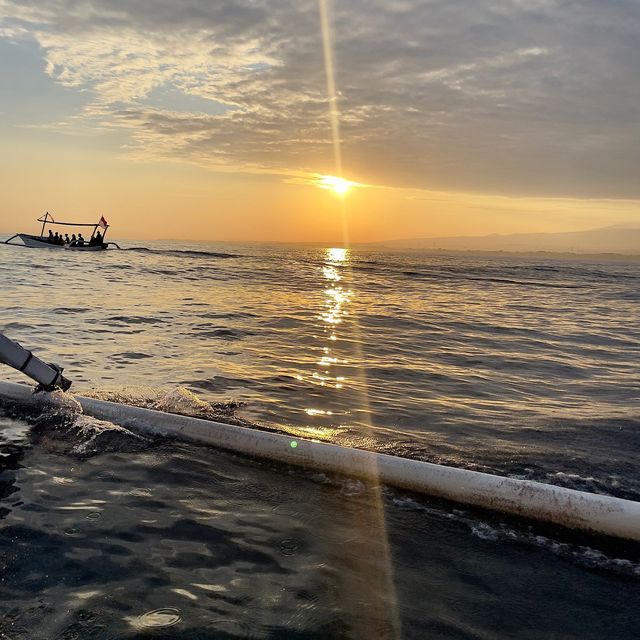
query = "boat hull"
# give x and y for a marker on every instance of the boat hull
(40, 242)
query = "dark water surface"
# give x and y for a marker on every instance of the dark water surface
(520, 366)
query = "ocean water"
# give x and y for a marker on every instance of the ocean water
(521, 366)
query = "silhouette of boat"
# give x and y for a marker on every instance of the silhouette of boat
(94, 243)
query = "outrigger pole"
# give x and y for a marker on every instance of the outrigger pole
(590, 512)
(48, 375)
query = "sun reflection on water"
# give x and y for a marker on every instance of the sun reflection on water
(337, 254)
(337, 300)
(331, 273)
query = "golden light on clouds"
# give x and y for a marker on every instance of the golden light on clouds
(150, 118)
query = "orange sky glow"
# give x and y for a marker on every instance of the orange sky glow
(226, 126)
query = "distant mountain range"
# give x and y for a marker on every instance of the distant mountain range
(616, 239)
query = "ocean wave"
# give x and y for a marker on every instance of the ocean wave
(127, 320)
(192, 253)
(583, 555)
(454, 368)
(578, 548)
(179, 400)
(58, 423)
(222, 333)
(494, 279)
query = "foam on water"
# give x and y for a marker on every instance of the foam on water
(179, 400)
(580, 554)
(501, 533)
(59, 417)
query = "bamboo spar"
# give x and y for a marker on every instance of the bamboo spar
(589, 512)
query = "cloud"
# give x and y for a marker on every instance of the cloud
(538, 97)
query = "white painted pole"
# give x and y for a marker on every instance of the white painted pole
(46, 374)
(573, 509)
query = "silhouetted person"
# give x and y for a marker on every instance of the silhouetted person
(51, 238)
(80, 242)
(73, 240)
(55, 238)
(66, 238)
(98, 239)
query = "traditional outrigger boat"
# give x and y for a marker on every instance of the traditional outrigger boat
(94, 243)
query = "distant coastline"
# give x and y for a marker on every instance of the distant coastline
(556, 255)
(608, 241)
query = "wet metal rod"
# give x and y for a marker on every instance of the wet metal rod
(47, 375)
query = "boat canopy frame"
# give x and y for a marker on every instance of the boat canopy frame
(47, 218)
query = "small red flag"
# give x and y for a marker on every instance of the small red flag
(103, 223)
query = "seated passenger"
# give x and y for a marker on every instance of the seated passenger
(56, 239)
(80, 242)
(97, 240)
(66, 238)
(73, 240)
(50, 238)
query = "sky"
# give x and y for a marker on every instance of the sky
(213, 120)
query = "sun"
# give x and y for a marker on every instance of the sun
(340, 186)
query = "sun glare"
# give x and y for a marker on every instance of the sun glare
(336, 254)
(339, 186)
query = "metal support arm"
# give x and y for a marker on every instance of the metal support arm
(48, 376)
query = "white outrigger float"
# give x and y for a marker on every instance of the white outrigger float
(94, 243)
(590, 512)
